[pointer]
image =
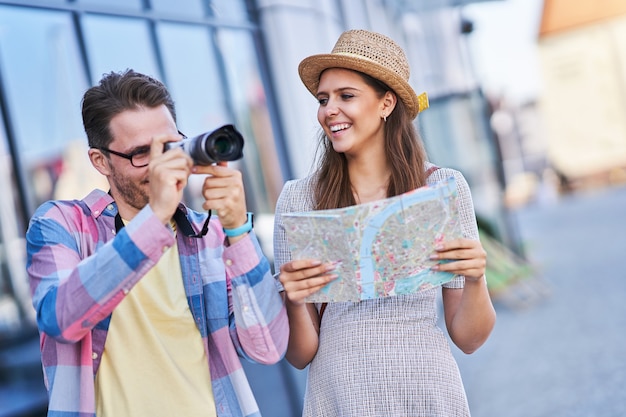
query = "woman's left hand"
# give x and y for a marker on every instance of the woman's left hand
(466, 257)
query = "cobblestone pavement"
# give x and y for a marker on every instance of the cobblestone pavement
(565, 354)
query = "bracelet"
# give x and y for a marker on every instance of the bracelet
(245, 228)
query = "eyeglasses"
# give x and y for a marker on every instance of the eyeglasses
(138, 158)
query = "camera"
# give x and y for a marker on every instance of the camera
(222, 144)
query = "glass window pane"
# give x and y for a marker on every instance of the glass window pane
(193, 79)
(134, 5)
(252, 117)
(50, 97)
(115, 44)
(44, 81)
(9, 306)
(229, 9)
(191, 8)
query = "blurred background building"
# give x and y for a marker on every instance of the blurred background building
(235, 61)
(582, 50)
(570, 133)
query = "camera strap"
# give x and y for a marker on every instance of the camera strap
(205, 226)
(182, 223)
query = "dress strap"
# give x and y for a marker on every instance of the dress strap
(430, 170)
(322, 308)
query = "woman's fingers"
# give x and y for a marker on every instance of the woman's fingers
(466, 257)
(305, 277)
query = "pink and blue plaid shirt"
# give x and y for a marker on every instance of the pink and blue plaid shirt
(80, 268)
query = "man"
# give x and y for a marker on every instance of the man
(141, 312)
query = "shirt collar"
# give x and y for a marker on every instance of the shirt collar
(100, 202)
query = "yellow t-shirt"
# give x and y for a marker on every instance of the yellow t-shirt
(154, 362)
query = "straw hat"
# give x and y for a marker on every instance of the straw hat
(373, 54)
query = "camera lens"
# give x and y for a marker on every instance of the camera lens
(221, 148)
(223, 144)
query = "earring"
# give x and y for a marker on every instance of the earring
(385, 117)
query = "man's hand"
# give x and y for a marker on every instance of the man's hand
(223, 192)
(168, 173)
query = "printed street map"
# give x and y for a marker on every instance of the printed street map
(382, 248)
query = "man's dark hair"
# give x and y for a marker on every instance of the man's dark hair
(116, 93)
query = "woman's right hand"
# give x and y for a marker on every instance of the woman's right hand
(304, 277)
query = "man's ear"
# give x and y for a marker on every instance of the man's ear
(99, 161)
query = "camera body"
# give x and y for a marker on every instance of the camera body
(223, 144)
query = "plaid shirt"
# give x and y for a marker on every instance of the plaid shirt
(80, 269)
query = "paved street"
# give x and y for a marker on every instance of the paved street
(565, 355)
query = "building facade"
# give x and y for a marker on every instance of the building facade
(582, 47)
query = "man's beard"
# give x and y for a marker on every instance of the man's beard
(129, 191)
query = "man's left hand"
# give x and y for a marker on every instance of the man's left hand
(224, 194)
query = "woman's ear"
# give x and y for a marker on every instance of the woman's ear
(99, 161)
(389, 103)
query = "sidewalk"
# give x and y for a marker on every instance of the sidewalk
(565, 355)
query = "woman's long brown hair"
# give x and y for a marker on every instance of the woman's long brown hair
(404, 151)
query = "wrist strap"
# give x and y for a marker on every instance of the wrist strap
(245, 228)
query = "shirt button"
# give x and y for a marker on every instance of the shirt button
(96, 212)
(229, 262)
(125, 291)
(94, 355)
(110, 207)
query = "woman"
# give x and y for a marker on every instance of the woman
(386, 356)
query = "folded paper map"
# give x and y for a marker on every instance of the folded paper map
(381, 248)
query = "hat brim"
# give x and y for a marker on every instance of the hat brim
(311, 68)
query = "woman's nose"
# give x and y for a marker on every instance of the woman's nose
(331, 109)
